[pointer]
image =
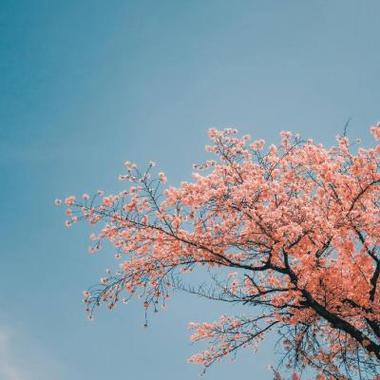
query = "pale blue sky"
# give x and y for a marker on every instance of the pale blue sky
(86, 85)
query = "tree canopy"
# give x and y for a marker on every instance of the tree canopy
(291, 231)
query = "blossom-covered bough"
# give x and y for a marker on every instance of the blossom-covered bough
(290, 231)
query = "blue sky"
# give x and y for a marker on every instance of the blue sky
(86, 85)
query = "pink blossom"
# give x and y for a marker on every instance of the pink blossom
(162, 177)
(85, 197)
(69, 201)
(284, 232)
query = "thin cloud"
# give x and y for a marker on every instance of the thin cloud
(8, 367)
(18, 364)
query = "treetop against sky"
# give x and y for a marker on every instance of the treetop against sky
(290, 231)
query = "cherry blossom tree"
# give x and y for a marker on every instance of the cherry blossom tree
(290, 231)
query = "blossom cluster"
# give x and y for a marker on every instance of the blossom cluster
(297, 223)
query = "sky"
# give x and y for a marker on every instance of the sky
(86, 85)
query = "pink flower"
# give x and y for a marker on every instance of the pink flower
(212, 133)
(257, 145)
(129, 165)
(162, 177)
(85, 197)
(375, 130)
(86, 294)
(69, 201)
(107, 201)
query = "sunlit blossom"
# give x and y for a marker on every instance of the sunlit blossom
(290, 231)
